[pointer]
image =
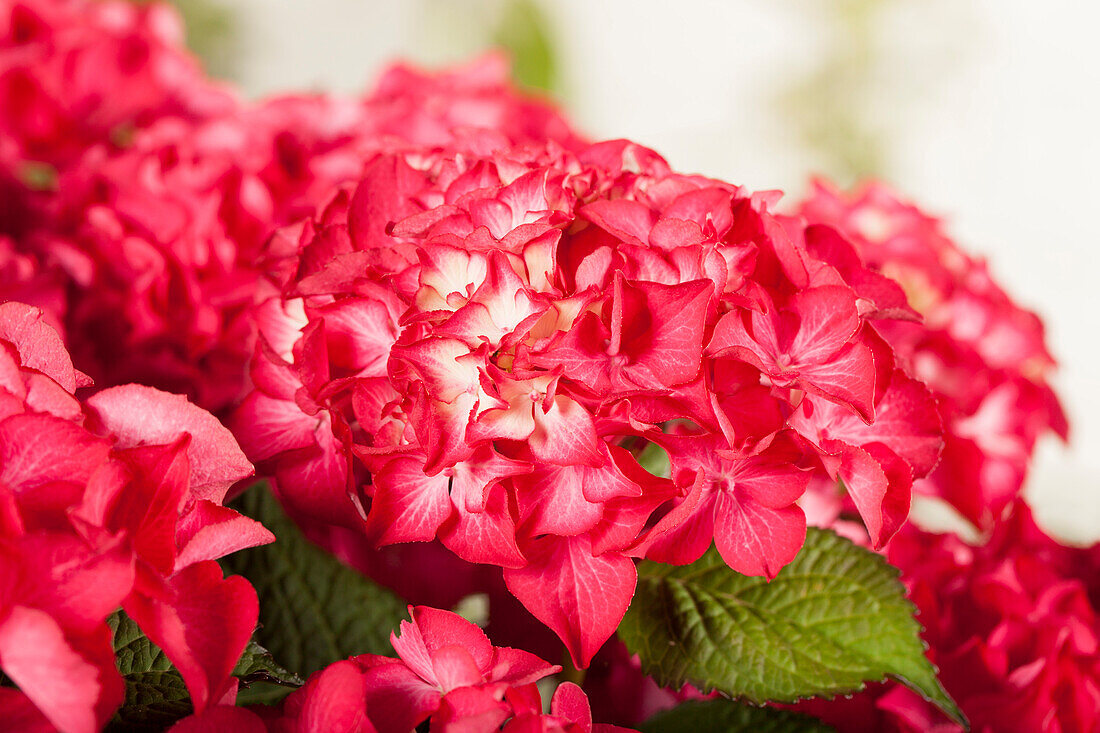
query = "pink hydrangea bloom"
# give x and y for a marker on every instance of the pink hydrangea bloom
(475, 348)
(1012, 626)
(983, 356)
(113, 502)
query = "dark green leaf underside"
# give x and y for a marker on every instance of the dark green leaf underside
(314, 610)
(156, 696)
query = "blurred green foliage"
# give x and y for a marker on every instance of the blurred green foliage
(525, 32)
(827, 106)
(211, 34)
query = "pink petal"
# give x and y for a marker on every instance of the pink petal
(142, 415)
(222, 719)
(334, 700)
(201, 620)
(20, 714)
(880, 490)
(46, 395)
(580, 597)
(40, 347)
(66, 686)
(630, 221)
(360, 334)
(671, 347)
(313, 481)
(397, 699)
(571, 703)
(442, 628)
(267, 426)
(687, 541)
(408, 506)
(565, 435)
(754, 539)
(77, 585)
(847, 378)
(731, 337)
(454, 667)
(517, 667)
(487, 536)
(552, 501)
(149, 507)
(208, 531)
(828, 319)
(447, 366)
(907, 421)
(40, 449)
(471, 710)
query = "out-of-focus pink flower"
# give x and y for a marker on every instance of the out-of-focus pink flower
(983, 356)
(113, 502)
(76, 73)
(476, 102)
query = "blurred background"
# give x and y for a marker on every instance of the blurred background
(985, 112)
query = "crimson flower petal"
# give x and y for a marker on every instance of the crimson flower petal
(581, 597)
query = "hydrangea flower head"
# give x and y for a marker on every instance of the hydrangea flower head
(476, 349)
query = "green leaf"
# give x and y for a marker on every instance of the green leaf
(258, 665)
(314, 610)
(156, 695)
(728, 716)
(655, 460)
(263, 680)
(835, 617)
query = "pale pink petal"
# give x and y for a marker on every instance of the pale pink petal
(139, 415)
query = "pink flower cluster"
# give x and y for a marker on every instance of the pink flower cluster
(1012, 624)
(478, 347)
(446, 671)
(116, 501)
(982, 355)
(74, 74)
(160, 185)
